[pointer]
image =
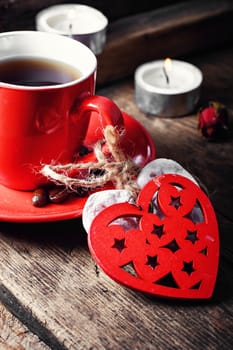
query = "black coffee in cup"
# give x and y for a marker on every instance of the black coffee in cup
(30, 71)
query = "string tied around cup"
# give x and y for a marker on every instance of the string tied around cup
(115, 167)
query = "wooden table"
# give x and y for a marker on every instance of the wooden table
(50, 292)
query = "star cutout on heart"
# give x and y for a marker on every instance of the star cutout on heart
(119, 244)
(152, 261)
(192, 236)
(175, 202)
(188, 267)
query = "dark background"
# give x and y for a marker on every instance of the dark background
(19, 14)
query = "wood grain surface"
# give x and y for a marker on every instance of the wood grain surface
(16, 336)
(49, 281)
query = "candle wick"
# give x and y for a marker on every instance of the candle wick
(166, 75)
(70, 29)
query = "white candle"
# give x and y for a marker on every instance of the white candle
(167, 89)
(81, 22)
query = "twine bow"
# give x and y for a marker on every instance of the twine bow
(118, 169)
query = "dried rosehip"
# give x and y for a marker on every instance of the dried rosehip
(213, 121)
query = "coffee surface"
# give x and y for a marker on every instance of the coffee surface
(36, 72)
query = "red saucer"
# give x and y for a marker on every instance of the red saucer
(16, 206)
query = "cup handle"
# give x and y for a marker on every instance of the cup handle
(108, 113)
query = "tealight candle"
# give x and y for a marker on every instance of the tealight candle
(81, 22)
(167, 88)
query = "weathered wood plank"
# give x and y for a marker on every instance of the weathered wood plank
(85, 311)
(172, 31)
(16, 336)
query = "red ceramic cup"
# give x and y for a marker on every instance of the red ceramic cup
(46, 124)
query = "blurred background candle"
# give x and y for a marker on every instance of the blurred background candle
(167, 88)
(81, 22)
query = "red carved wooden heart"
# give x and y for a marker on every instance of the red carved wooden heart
(166, 251)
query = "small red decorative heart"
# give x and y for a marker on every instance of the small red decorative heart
(167, 252)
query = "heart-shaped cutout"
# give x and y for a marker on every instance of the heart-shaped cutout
(166, 253)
